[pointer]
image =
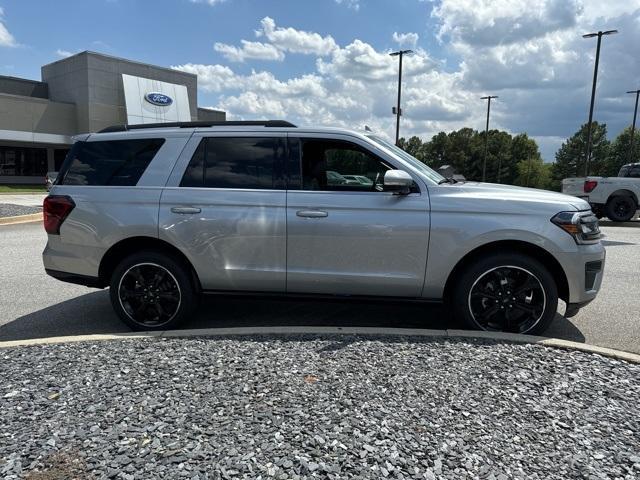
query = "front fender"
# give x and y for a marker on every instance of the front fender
(454, 236)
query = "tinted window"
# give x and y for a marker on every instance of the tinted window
(634, 172)
(59, 154)
(338, 165)
(624, 172)
(294, 177)
(115, 162)
(194, 174)
(229, 162)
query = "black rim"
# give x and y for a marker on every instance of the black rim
(622, 208)
(508, 299)
(149, 294)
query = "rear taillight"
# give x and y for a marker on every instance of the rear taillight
(589, 185)
(55, 209)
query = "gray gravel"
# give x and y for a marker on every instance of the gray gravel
(10, 210)
(316, 407)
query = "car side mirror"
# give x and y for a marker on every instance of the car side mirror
(398, 182)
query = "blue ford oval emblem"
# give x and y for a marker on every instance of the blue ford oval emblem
(159, 99)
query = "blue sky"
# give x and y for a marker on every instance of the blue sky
(326, 62)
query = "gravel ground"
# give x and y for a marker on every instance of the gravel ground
(10, 210)
(316, 407)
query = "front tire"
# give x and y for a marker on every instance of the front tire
(506, 292)
(152, 291)
(621, 208)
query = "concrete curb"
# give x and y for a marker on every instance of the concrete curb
(33, 217)
(287, 330)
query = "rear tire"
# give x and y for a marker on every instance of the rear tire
(621, 208)
(506, 292)
(152, 291)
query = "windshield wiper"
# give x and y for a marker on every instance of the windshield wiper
(447, 180)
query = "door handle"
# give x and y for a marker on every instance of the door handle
(186, 210)
(312, 213)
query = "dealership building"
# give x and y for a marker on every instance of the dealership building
(85, 93)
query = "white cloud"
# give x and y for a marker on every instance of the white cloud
(359, 60)
(531, 54)
(599, 10)
(493, 22)
(354, 4)
(210, 2)
(249, 50)
(211, 78)
(296, 41)
(64, 53)
(6, 39)
(409, 39)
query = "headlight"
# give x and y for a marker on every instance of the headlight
(582, 226)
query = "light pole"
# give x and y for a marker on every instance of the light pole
(400, 54)
(633, 125)
(598, 34)
(486, 136)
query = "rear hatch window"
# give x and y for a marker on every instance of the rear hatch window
(112, 162)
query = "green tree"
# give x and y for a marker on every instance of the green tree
(570, 158)
(512, 160)
(435, 151)
(530, 171)
(413, 146)
(620, 153)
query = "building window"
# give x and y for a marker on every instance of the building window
(23, 161)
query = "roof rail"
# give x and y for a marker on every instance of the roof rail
(232, 123)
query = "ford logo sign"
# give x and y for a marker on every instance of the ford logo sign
(159, 99)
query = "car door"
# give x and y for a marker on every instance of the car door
(224, 208)
(345, 238)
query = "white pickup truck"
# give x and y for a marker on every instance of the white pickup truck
(613, 197)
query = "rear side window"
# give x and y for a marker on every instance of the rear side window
(231, 162)
(114, 162)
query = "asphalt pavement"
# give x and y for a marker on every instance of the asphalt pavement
(33, 305)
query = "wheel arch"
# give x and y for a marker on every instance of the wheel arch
(118, 251)
(511, 246)
(623, 192)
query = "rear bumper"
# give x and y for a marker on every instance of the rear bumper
(85, 280)
(74, 259)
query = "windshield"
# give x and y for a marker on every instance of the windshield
(410, 159)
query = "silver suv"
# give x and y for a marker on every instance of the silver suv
(164, 213)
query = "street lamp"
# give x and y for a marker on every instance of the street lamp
(598, 34)
(633, 125)
(398, 112)
(486, 136)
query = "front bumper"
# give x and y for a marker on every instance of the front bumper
(584, 270)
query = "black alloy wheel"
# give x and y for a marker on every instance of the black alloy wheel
(506, 292)
(153, 291)
(508, 299)
(149, 294)
(621, 208)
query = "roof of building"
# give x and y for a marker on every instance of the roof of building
(119, 59)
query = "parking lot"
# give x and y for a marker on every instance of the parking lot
(34, 305)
